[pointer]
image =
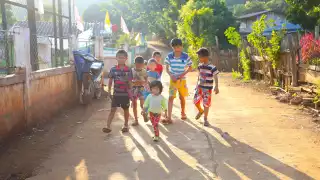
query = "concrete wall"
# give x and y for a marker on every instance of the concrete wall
(50, 91)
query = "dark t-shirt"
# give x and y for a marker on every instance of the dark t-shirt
(121, 80)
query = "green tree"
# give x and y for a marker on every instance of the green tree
(306, 13)
(268, 49)
(201, 21)
(9, 14)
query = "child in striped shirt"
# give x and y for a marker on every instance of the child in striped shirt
(178, 65)
(208, 74)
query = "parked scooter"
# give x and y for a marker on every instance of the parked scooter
(90, 73)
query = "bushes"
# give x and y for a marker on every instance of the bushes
(310, 49)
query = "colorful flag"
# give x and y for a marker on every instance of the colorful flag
(124, 26)
(107, 22)
(78, 19)
(138, 39)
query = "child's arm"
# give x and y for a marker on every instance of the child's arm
(189, 69)
(164, 106)
(111, 77)
(146, 104)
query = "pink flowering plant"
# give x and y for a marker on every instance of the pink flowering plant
(310, 49)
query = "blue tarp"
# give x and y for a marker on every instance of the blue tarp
(289, 27)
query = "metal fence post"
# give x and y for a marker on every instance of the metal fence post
(5, 28)
(54, 9)
(60, 33)
(33, 35)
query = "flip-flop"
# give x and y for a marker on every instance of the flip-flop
(106, 130)
(135, 123)
(166, 122)
(184, 117)
(206, 124)
(125, 129)
(155, 138)
(199, 115)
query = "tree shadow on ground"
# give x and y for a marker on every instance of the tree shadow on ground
(160, 159)
(226, 156)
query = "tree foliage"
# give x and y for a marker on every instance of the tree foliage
(201, 21)
(9, 14)
(305, 13)
(233, 36)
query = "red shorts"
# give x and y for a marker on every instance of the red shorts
(203, 95)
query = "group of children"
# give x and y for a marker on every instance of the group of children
(144, 84)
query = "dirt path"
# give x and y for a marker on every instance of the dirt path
(264, 140)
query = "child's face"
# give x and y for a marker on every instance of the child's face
(203, 59)
(139, 65)
(152, 66)
(155, 91)
(177, 49)
(157, 58)
(121, 59)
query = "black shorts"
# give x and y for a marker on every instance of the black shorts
(120, 101)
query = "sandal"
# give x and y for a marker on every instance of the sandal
(106, 130)
(206, 124)
(166, 122)
(184, 117)
(135, 123)
(155, 138)
(125, 129)
(199, 115)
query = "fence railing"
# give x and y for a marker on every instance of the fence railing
(50, 32)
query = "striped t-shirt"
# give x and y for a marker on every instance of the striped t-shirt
(122, 77)
(206, 74)
(178, 65)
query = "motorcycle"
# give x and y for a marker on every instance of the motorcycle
(89, 72)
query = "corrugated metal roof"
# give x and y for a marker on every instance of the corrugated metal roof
(253, 14)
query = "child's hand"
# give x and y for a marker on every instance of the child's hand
(173, 78)
(216, 90)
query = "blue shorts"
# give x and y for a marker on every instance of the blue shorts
(145, 94)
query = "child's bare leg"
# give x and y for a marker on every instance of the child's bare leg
(170, 106)
(206, 112)
(183, 107)
(135, 112)
(109, 121)
(141, 103)
(201, 111)
(126, 117)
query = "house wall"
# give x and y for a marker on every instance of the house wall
(50, 91)
(246, 24)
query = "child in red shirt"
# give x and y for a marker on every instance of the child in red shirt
(157, 56)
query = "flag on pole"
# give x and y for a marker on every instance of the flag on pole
(138, 39)
(124, 26)
(107, 22)
(78, 19)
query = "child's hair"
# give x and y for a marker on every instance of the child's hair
(203, 52)
(156, 84)
(176, 42)
(139, 60)
(123, 52)
(152, 61)
(156, 53)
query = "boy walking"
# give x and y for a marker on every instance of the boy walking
(139, 81)
(208, 74)
(157, 56)
(121, 77)
(178, 64)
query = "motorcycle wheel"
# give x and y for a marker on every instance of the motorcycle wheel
(86, 95)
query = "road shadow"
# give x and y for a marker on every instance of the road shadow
(229, 158)
(22, 154)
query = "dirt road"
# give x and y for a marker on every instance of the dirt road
(252, 137)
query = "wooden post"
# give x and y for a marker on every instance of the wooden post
(293, 62)
(24, 35)
(316, 32)
(218, 53)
